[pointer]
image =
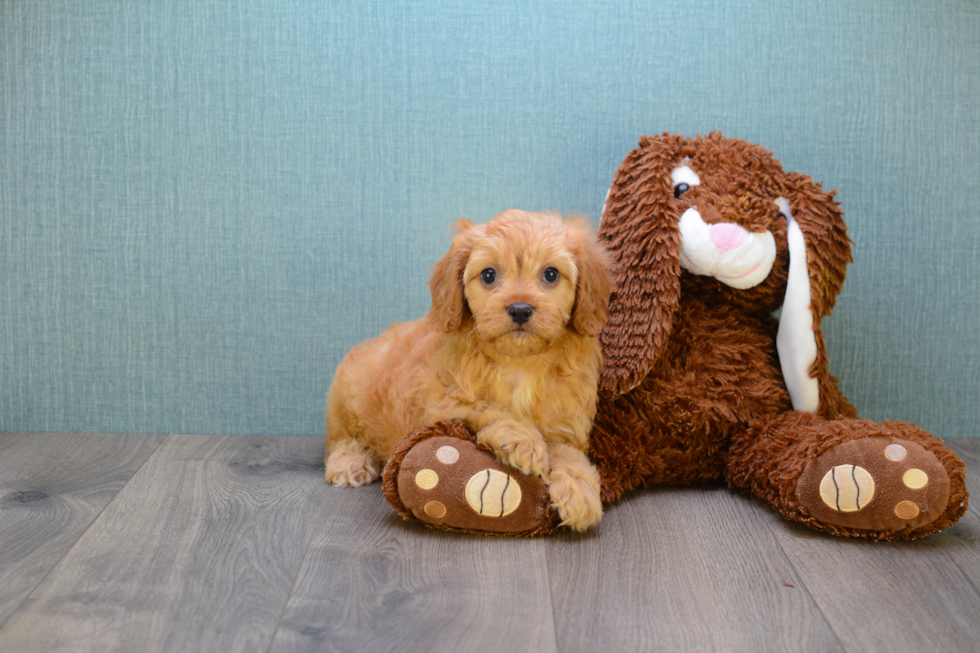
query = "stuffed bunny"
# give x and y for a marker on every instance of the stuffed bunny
(700, 382)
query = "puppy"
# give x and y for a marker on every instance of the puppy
(509, 348)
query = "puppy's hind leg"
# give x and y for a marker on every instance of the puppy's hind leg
(351, 464)
(573, 486)
(348, 462)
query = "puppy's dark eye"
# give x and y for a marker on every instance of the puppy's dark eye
(551, 275)
(680, 189)
(783, 216)
(488, 276)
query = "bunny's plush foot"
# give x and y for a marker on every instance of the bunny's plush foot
(881, 484)
(441, 477)
(851, 477)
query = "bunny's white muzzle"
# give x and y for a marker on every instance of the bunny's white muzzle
(726, 251)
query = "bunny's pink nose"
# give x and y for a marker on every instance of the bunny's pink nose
(727, 236)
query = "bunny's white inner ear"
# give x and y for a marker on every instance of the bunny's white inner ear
(795, 340)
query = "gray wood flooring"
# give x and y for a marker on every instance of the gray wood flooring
(212, 543)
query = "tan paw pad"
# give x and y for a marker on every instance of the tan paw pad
(447, 454)
(492, 493)
(915, 479)
(847, 488)
(896, 452)
(906, 510)
(435, 510)
(426, 479)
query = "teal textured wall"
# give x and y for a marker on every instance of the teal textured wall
(203, 205)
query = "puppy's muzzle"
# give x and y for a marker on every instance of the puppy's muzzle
(520, 313)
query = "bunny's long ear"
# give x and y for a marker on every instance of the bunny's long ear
(449, 307)
(640, 230)
(819, 251)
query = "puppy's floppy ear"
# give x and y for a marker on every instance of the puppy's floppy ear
(641, 230)
(595, 278)
(449, 307)
(819, 253)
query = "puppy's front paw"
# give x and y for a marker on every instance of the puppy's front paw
(517, 446)
(574, 488)
(529, 456)
(575, 494)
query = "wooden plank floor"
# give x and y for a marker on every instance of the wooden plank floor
(208, 543)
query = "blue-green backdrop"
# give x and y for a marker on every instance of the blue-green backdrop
(203, 205)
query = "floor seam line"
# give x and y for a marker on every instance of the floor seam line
(801, 579)
(551, 596)
(299, 570)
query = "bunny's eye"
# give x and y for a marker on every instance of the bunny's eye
(683, 178)
(488, 276)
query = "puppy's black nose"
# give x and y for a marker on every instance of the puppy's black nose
(520, 313)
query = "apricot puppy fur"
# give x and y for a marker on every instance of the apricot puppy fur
(509, 348)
